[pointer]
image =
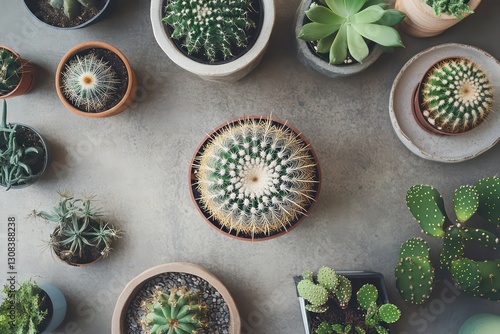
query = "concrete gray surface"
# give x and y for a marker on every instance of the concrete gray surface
(137, 163)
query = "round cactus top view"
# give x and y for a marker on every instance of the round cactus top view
(256, 176)
(456, 95)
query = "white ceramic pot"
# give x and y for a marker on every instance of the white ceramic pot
(228, 72)
(481, 324)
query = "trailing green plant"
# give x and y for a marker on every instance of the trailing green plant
(255, 177)
(20, 311)
(178, 312)
(10, 71)
(214, 28)
(414, 271)
(456, 8)
(456, 95)
(72, 8)
(330, 286)
(15, 158)
(89, 82)
(79, 227)
(341, 28)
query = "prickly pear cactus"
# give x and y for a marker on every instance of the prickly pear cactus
(315, 294)
(466, 202)
(456, 95)
(367, 295)
(427, 206)
(453, 247)
(389, 313)
(488, 190)
(344, 291)
(10, 71)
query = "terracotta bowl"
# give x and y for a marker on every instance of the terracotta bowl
(26, 81)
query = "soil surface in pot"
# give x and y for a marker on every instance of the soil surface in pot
(45, 305)
(121, 74)
(48, 14)
(255, 14)
(218, 311)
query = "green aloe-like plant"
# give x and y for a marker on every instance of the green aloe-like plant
(414, 271)
(72, 8)
(343, 27)
(456, 8)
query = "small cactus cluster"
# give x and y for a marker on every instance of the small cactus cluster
(10, 71)
(177, 312)
(376, 315)
(256, 177)
(414, 271)
(72, 8)
(214, 28)
(456, 8)
(89, 82)
(456, 95)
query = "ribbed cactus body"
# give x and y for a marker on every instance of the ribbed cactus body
(10, 71)
(212, 27)
(456, 95)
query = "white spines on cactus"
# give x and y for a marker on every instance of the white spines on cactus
(89, 82)
(456, 95)
(256, 177)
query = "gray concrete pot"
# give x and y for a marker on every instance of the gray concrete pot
(59, 307)
(311, 60)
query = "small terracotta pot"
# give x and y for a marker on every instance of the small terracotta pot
(136, 284)
(26, 81)
(74, 264)
(206, 215)
(127, 99)
(420, 20)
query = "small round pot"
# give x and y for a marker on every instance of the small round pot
(74, 264)
(420, 20)
(229, 71)
(136, 284)
(45, 162)
(309, 58)
(26, 81)
(30, 3)
(124, 103)
(57, 309)
(212, 222)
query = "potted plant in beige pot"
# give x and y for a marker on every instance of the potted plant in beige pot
(426, 18)
(254, 178)
(16, 74)
(219, 41)
(95, 79)
(175, 298)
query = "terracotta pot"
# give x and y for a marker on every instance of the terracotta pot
(420, 20)
(136, 284)
(26, 81)
(212, 222)
(127, 99)
(74, 264)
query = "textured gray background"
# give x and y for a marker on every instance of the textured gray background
(137, 162)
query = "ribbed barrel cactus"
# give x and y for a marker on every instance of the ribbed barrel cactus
(256, 177)
(213, 28)
(72, 8)
(456, 95)
(177, 312)
(10, 71)
(414, 271)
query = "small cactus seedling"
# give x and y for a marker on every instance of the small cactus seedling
(367, 297)
(72, 8)
(456, 8)
(214, 28)
(456, 95)
(177, 312)
(414, 271)
(10, 71)
(255, 177)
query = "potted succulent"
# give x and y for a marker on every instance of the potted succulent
(328, 307)
(81, 237)
(175, 298)
(426, 18)
(453, 97)
(67, 14)
(254, 178)
(16, 74)
(414, 271)
(220, 41)
(336, 37)
(31, 309)
(23, 154)
(94, 79)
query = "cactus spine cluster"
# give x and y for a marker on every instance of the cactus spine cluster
(414, 271)
(456, 95)
(255, 177)
(178, 312)
(10, 71)
(72, 8)
(212, 27)
(89, 82)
